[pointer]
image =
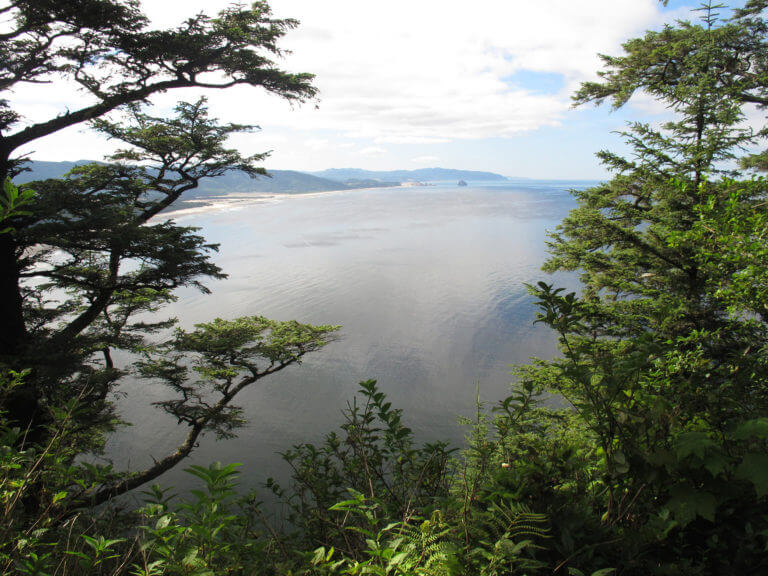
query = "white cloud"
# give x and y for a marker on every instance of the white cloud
(755, 119)
(425, 72)
(405, 72)
(317, 143)
(75, 143)
(648, 105)
(431, 71)
(372, 151)
(425, 159)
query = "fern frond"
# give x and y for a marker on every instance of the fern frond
(425, 549)
(508, 534)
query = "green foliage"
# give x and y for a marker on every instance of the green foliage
(418, 549)
(534, 487)
(217, 531)
(375, 456)
(506, 534)
(12, 203)
(115, 263)
(663, 349)
(213, 533)
(226, 356)
(37, 482)
(89, 261)
(473, 525)
(109, 50)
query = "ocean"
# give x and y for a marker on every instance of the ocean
(428, 283)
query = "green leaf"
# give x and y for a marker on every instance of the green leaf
(687, 502)
(696, 443)
(191, 559)
(11, 192)
(757, 427)
(620, 464)
(344, 505)
(716, 462)
(754, 467)
(11, 201)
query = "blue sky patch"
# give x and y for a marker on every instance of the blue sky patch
(539, 82)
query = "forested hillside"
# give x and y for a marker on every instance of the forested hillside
(419, 175)
(275, 181)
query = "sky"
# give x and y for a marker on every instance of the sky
(406, 84)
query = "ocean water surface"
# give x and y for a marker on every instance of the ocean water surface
(427, 283)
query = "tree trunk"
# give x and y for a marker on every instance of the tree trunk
(13, 331)
(20, 404)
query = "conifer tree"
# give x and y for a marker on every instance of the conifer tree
(88, 260)
(108, 48)
(664, 349)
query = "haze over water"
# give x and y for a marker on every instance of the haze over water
(427, 283)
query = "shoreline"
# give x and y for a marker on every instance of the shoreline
(235, 201)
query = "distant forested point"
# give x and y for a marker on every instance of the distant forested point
(282, 181)
(420, 175)
(233, 181)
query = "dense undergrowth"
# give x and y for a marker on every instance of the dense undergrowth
(531, 493)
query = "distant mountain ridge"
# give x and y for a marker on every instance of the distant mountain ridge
(281, 181)
(418, 175)
(43, 170)
(285, 181)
